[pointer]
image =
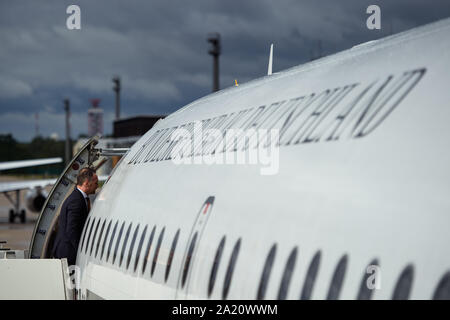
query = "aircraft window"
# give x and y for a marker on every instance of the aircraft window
(147, 252)
(118, 242)
(99, 238)
(111, 241)
(365, 293)
(310, 277)
(404, 284)
(138, 252)
(95, 234)
(266, 273)
(89, 236)
(125, 244)
(84, 233)
(286, 280)
(188, 259)
(338, 279)
(104, 240)
(130, 252)
(172, 253)
(212, 277)
(443, 289)
(158, 246)
(231, 264)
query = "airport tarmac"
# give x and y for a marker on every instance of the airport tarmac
(18, 235)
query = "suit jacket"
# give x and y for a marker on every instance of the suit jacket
(72, 218)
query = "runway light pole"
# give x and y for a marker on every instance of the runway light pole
(68, 149)
(116, 89)
(214, 39)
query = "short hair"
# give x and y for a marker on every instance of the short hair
(85, 174)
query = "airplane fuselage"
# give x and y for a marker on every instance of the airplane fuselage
(355, 207)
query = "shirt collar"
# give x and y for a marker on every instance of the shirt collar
(82, 192)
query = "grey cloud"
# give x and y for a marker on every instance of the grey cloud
(159, 47)
(13, 88)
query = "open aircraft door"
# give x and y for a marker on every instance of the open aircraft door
(45, 228)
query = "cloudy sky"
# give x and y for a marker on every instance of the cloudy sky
(159, 50)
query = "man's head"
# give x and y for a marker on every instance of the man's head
(87, 180)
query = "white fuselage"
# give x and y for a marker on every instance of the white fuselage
(363, 174)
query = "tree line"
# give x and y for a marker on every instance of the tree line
(39, 147)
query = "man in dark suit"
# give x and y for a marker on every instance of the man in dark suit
(73, 215)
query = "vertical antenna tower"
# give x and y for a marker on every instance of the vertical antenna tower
(215, 50)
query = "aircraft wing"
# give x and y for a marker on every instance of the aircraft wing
(28, 163)
(20, 185)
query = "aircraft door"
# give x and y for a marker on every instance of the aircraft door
(190, 253)
(45, 228)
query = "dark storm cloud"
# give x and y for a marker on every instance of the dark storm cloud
(159, 49)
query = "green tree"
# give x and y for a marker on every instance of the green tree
(39, 147)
